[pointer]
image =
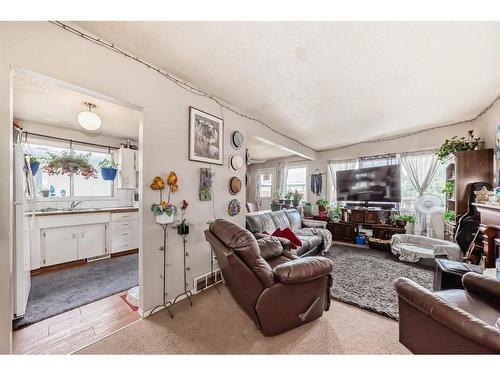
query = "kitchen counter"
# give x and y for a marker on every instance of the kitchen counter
(84, 211)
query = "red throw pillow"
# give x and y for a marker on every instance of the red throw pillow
(289, 235)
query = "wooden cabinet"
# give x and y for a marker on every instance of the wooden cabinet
(385, 232)
(358, 216)
(127, 168)
(371, 217)
(60, 244)
(342, 231)
(92, 241)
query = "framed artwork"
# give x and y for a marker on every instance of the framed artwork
(206, 137)
(497, 143)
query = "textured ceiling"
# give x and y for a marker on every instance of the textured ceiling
(328, 83)
(44, 102)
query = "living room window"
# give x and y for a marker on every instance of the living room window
(296, 179)
(52, 186)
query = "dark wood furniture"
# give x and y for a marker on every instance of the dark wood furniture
(466, 167)
(448, 274)
(369, 216)
(342, 231)
(381, 236)
(490, 228)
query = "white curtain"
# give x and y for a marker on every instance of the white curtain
(333, 167)
(421, 168)
(281, 178)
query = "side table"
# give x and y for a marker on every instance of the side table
(448, 273)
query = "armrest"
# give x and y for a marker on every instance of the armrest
(284, 241)
(484, 287)
(454, 318)
(303, 269)
(308, 223)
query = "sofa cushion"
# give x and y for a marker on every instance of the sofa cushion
(260, 223)
(279, 219)
(269, 247)
(287, 233)
(308, 243)
(294, 219)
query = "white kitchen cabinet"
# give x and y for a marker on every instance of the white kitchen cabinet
(124, 232)
(127, 167)
(92, 241)
(60, 245)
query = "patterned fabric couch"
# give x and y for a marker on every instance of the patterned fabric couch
(313, 234)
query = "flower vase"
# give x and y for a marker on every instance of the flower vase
(164, 218)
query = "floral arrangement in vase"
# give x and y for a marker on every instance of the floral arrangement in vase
(70, 163)
(164, 211)
(183, 227)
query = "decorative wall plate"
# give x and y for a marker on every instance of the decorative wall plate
(234, 185)
(237, 139)
(236, 162)
(234, 207)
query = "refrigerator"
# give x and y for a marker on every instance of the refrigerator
(23, 228)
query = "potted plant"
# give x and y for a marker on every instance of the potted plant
(335, 213)
(108, 169)
(297, 197)
(450, 216)
(70, 163)
(449, 188)
(34, 164)
(275, 203)
(307, 207)
(164, 212)
(288, 198)
(401, 220)
(456, 144)
(322, 204)
(183, 227)
(45, 192)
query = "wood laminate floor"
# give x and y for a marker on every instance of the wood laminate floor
(70, 331)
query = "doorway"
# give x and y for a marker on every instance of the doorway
(77, 214)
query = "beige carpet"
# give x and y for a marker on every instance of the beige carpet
(216, 325)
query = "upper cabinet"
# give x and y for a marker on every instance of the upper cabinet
(127, 168)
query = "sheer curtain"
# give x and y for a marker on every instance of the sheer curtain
(333, 167)
(282, 171)
(421, 168)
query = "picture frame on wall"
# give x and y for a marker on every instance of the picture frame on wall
(206, 137)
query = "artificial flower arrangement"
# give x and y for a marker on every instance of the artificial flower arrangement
(183, 227)
(70, 163)
(164, 211)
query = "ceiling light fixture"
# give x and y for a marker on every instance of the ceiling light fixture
(88, 119)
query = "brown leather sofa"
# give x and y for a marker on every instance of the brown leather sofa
(278, 290)
(453, 321)
(291, 218)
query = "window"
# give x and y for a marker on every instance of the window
(264, 186)
(296, 179)
(69, 185)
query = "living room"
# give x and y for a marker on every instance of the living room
(333, 192)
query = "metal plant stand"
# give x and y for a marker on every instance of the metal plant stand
(166, 304)
(186, 292)
(216, 283)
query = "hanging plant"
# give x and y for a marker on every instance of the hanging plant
(70, 163)
(108, 168)
(456, 144)
(34, 164)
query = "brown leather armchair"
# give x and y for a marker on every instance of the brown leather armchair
(452, 321)
(278, 290)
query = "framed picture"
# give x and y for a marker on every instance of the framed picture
(206, 137)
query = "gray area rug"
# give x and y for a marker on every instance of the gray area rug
(365, 278)
(60, 291)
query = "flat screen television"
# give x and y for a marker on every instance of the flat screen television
(376, 184)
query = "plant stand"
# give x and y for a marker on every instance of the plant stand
(165, 304)
(186, 292)
(212, 268)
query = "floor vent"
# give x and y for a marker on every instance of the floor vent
(99, 257)
(207, 280)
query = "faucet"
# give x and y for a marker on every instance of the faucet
(74, 204)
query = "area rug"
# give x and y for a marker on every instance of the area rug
(56, 292)
(365, 278)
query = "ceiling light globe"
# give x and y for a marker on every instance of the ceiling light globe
(89, 120)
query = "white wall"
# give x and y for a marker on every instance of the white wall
(46, 49)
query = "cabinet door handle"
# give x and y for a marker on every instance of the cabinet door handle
(124, 234)
(74, 235)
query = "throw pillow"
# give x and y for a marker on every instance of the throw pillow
(289, 235)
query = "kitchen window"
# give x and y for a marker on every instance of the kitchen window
(69, 185)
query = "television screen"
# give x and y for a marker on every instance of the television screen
(377, 184)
